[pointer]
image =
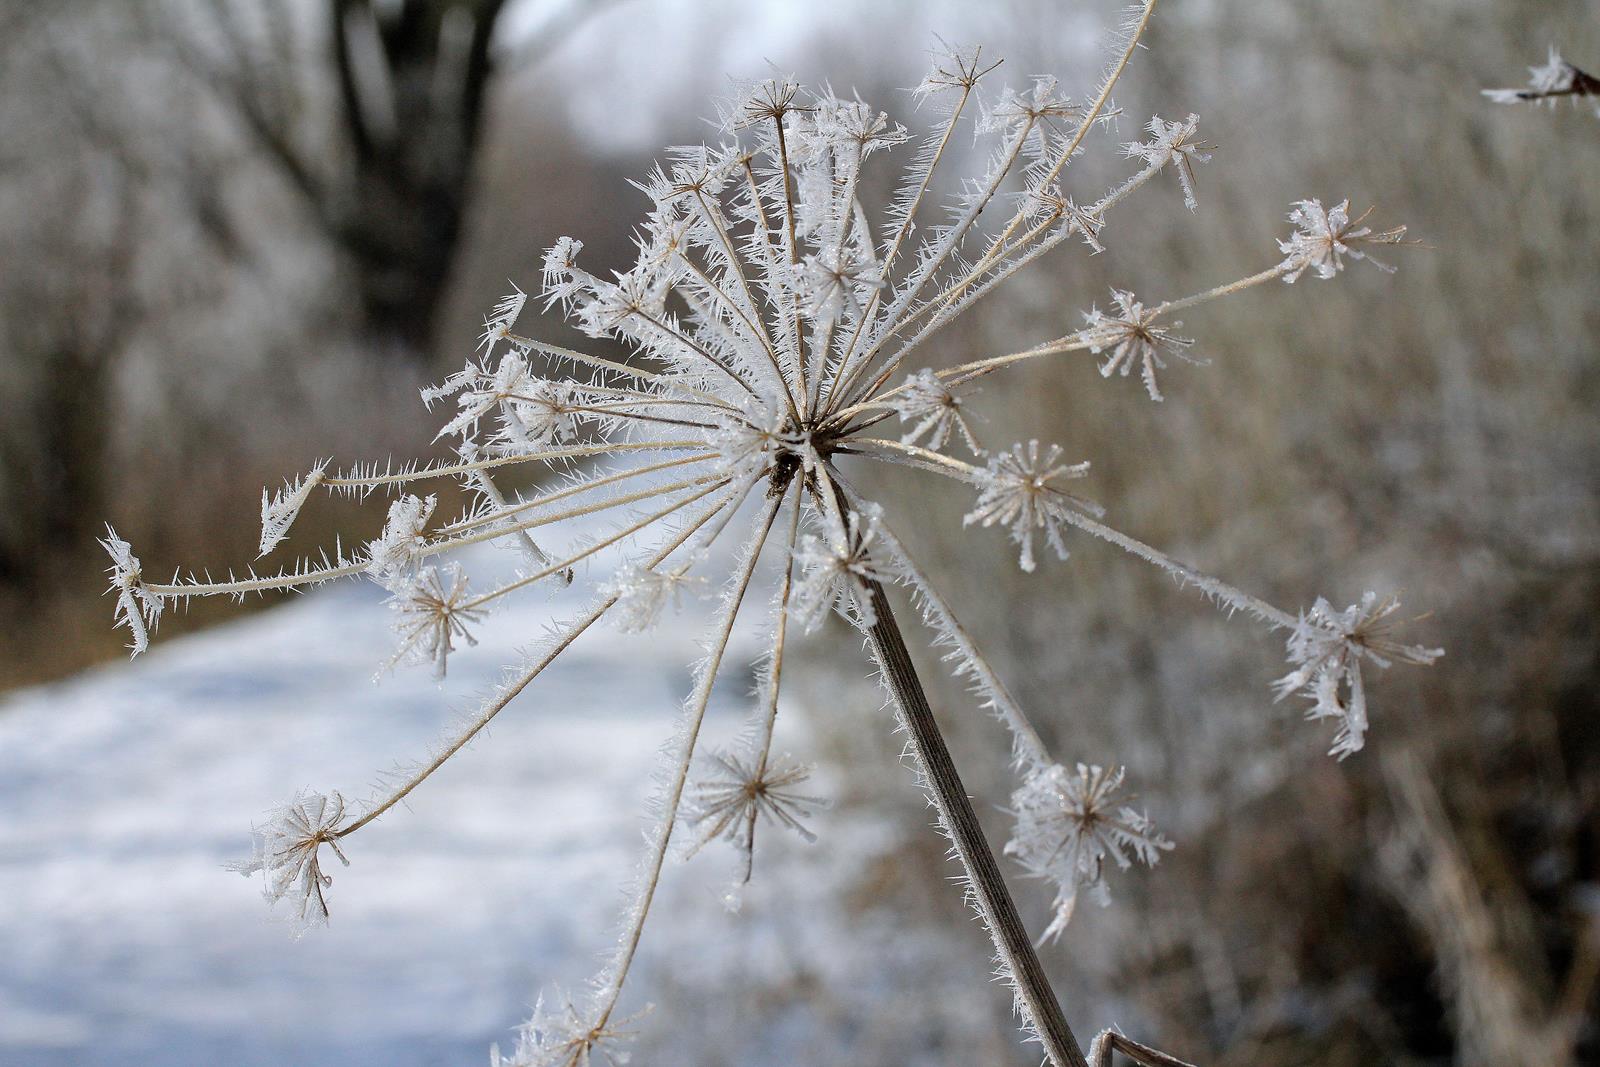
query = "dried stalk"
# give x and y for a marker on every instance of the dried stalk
(989, 890)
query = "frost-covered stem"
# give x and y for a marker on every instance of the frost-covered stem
(901, 234)
(1215, 588)
(851, 369)
(509, 692)
(436, 547)
(1267, 275)
(504, 510)
(1021, 964)
(698, 349)
(792, 249)
(942, 319)
(1027, 746)
(780, 629)
(953, 296)
(245, 586)
(714, 218)
(525, 542)
(454, 470)
(1073, 342)
(769, 718)
(690, 732)
(665, 381)
(922, 190)
(599, 546)
(1100, 101)
(923, 457)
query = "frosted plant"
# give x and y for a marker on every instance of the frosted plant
(837, 571)
(1015, 490)
(1326, 648)
(1067, 829)
(1131, 337)
(288, 854)
(1175, 143)
(1322, 236)
(770, 323)
(743, 788)
(934, 411)
(1550, 83)
(431, 613)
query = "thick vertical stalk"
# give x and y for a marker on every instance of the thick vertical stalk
(950, 796)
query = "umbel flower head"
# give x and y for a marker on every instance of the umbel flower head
(1067, 829)
(769, 326)
(1326, 648)
(288, 855)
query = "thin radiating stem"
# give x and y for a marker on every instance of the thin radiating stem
(566, 564)
(509, 692)
(698, 702)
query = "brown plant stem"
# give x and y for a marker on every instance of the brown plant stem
(972, 848)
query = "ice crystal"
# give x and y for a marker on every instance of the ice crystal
(1016, 491)
(1175, 143)
(1326, 649)
(432, 612)
(836, 569)
(1323, 235)
(1066, 829)
(1131, 337)
(288, 854)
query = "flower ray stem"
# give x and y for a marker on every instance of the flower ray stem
(509, 691)
(673, 798)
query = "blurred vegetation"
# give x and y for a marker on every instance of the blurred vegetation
(178, 333)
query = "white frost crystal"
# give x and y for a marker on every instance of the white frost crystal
(1130, 337)
(1066, 829)
(1015, 491)
(287, 854)
(1326, 649)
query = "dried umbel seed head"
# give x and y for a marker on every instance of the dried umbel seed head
(1130, 338)
(1326, 648)
(762, 322)
(288, 855)
(1018, 490)
(1067, 827)
(1323, 236)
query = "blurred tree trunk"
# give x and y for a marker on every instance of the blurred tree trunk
(413, 133)
(389, 184)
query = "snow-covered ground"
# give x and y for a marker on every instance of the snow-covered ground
(125, 790)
